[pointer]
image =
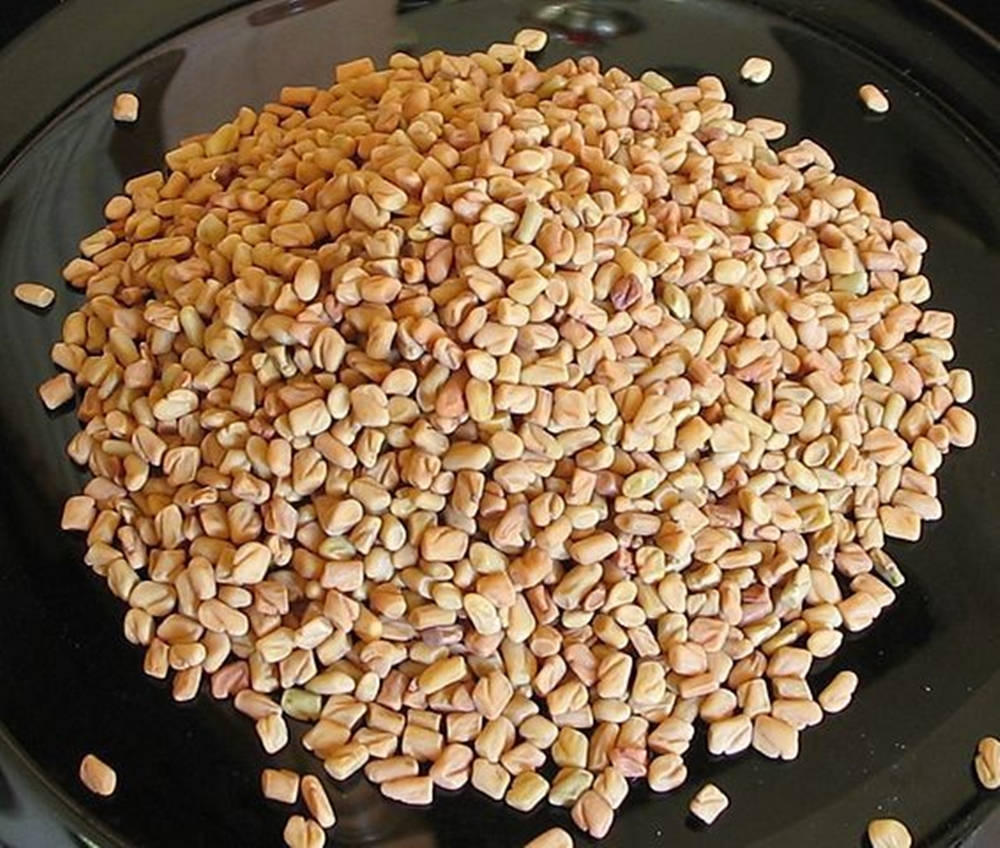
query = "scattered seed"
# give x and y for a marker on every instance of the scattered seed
(987, 762)
(56, 391)
(756, 70)
(125, 108)
(34, 294)
(97, 775)
(709, 803)
(873, 98)
(532, 40)
(888, 833)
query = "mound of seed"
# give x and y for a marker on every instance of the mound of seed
(482, 415)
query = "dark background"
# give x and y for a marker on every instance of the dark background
(16, 16)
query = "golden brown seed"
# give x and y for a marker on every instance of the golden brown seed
(303, 833)
(97, 775)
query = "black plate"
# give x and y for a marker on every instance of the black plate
(930, 669)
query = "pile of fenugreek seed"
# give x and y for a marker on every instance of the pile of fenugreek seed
(481, 415)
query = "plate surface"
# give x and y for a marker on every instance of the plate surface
(930, 669)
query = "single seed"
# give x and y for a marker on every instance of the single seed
(873, 98)
(532, 40)
(709, 803)
(756, 70)
(125, 108)
(97, 775)
(34, 294)
(987, 762)
(888, 833)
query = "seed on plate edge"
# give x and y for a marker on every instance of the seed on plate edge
(888, 833)
(97, 775)
(280, 785)
(987, 762)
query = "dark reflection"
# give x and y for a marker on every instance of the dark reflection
(278, 11)
(586, 23)
(8, 803)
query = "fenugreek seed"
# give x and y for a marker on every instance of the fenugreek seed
(56, 391)
(34, 294)
(838, 692)
(489, 778)
(666, 773)
(97, 775)
(774, 738)
(730, 735)
(409, 790)
(273, 733)
(125, 108)
(526, 791)
(532, 40)
(756, 69)
(555, 837)
(303, 833)
(888, 833)
(280, 785)
(987, 762)
(873, 98)
(593, 815)
(391, 768)
(709, 803)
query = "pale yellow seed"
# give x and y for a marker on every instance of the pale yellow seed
(756, 69)
(34, 294)
(532, 40)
